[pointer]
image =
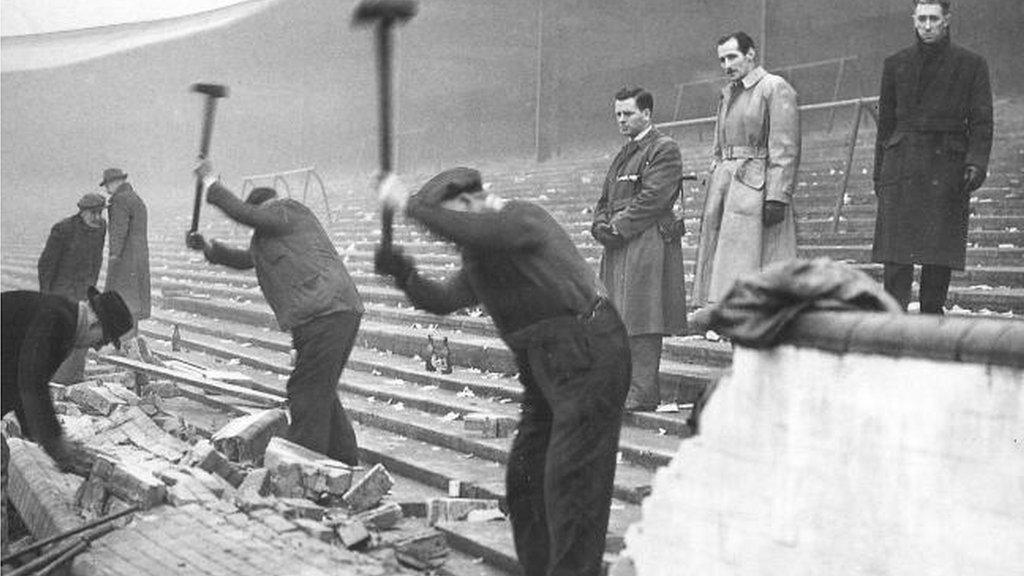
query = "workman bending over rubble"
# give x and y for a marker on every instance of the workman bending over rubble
(39, 332)
(307, 286)
(570, 346)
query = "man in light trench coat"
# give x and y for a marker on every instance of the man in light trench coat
(748, 220)
(642, 264)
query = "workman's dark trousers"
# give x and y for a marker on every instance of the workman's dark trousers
(319, 422)
(897, 279)
(561, 469)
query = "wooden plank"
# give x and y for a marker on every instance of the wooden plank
(203, 383)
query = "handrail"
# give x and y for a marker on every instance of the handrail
(281, 176)
(859, 103)
(803, 108)
(840, 71)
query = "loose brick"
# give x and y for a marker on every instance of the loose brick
(125, 394)
(133, 483)
(278, 523)
(94, 398)
(316, 529)
(382, 517)
(256, 483)
(43, 496)
(352, 533)
(293, 508)
(245, 439)
(424, 549)
(92, 497)
(296, 471)
(203, 455)
(367, 493)
(455, 509)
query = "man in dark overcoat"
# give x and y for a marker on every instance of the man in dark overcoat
(70, 264)
(128, 260)
(39, 332)
(312, 295)
(642, 264)
(931, 153)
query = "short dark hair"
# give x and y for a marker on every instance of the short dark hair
(743, 40)
(644, 99)
(943, 3)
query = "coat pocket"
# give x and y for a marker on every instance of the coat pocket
(752, 173)
(892, 160)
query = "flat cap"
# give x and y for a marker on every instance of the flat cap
(91, 201)
(113, 174)
(449, 184)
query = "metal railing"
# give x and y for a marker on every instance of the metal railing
(276, 178)
(840, 63)
(859, 104)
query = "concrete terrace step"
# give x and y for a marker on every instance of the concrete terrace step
(470, 382)
(642, 450)
(21, 262)
(972, 286)
(680, 381)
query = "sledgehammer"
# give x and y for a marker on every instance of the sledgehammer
(212, 93)
(385, 13)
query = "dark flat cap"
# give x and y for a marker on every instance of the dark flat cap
(111, 175)
(449, 184)
(91, 201)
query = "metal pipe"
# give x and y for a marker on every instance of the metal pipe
(540, 61)
(841, 198)
(72, 532)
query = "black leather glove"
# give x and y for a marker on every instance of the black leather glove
(774, 212)
(393, 262)
(974, 177)
(195, 241)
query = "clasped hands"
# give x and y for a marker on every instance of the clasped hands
(606, 234)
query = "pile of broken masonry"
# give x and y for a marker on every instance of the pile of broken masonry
(243, 492)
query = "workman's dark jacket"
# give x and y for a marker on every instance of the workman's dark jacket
(518, 262)
(934, 119)
(38, 334)
(298, 268)
(72, 258)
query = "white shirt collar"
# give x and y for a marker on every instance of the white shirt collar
(644, 133)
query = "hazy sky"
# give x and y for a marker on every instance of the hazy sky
(303, 85)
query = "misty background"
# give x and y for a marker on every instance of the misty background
(468, 77)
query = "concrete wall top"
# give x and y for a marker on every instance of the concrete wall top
(994, 341)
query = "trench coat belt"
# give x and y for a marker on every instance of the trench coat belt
(931, 125)
(743, 152)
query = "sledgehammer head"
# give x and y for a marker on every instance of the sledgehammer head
(211, 90)
(372, 11)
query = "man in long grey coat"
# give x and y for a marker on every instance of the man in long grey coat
(932, 150)
(642, 265)
(128, 259)
(748, 220)
(70, 264)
